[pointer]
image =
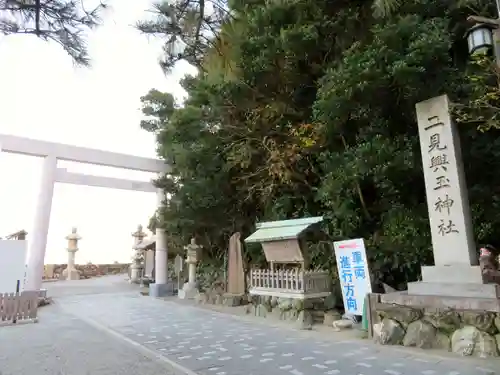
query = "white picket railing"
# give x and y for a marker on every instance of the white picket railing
(18, 307)
(292, 283)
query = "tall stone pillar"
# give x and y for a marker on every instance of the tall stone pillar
(137, 258)
(71, 273)
(456, 272)
(162, 285)
(190, 289)
(36, 254)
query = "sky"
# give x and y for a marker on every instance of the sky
(44, 96)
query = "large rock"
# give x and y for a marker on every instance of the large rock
(285, 304)
(497, 338)
(445, 321)
(497, 322)
(442, 342)
(388, 332)
(402, 314)
(483, 320)
(420, 334)
(305, 320)
(470, 341)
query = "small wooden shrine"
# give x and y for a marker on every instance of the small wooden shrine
(285, 251)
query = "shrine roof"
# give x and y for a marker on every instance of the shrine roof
(281, 230)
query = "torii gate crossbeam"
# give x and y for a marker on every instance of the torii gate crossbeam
(52, 152)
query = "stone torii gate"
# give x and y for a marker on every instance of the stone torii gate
(51, 153)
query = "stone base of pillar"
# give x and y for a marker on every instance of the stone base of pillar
(441, 303)
(455, 280)
(470, 290)
(161, 290)
(72, 274)
(188, 291)
(453, 274)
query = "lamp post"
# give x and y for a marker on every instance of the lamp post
(484, 36)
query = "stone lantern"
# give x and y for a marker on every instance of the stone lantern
(137, 258)
(193, 253)
(71, 273)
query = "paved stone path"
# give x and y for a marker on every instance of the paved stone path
(61, 344)
(210, 343)
(104, 327)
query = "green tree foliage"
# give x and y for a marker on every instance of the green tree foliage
(483, 107)
(189, 28)
(61, 21)
(310, 110)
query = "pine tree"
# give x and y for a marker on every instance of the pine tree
(62, 21)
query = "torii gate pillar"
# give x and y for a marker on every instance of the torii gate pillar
(51, 153)
(162, 285)
(36, 255)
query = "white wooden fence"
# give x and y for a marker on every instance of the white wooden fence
(18, 307)
(292, 283)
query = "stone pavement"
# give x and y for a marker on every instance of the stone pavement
(61, 344)
(104, 327)
(210, 343)
(98, 285)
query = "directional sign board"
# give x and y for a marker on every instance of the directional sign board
(353, 274)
